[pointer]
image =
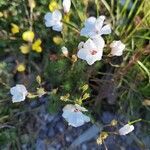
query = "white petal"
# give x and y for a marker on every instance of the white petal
(18, 98)
(90, 22)
(90, 45)
(99, 42)
(99, 23)
(90, 59)
(82, 53)
(69, 107)
(126, 129)
(87, 31)
(57, 27)
(106, 29)
(18, 92)
(48, 16)
(57, 15)
(75, 119)
(21, 88)
(64, 51)
(48, 20)
(66, 5)
(80, 108)
(99, 55)
(13, 90)
(117, 48)
(81, 44)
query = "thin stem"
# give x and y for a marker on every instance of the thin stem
(71, 26)
(132, 122)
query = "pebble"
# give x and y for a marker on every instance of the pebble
(40, 145)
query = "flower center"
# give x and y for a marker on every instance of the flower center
(93, 52)
(76, 110)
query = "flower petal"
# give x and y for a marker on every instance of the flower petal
(56, 15)
(82, 53)
(48, 19)
(90, 59)
(66, 5)
(126, 129)
(87, 31)
(89, 45)
(57, 27)
(90, 22)
(99, 23)
(69, 107)
(81, 44)
(106, 29)
(99, 42)
(80, 108)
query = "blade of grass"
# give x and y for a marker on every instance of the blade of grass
(118, 10)
(77, 10)
(108, 7)
(132, 9)
(129, 16)
(137, 12)
(135, 29)
(144, 68)
(97, 7)
(127, 2)
(142, 37)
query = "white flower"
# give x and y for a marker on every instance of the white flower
(66, 5)
(74, 116)
(65, 51)
(126, 129)
(95, 26)
(117, 48)
(91, 50)
(53, 20)
(18, 93)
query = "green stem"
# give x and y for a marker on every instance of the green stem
(132, 122)
(71, 26)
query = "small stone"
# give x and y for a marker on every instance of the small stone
(84, 147)
(43, 133)
(40, 145)
(69, 138)
(60, 127)
(51, 132)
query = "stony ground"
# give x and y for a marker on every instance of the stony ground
(51, 132)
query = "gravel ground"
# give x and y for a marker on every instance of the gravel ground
(51, 132)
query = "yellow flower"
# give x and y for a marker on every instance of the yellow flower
(21, 68)
(53, 5)
(85, 96)
(57, 40)
(14, 28)
(67, 17)
(74, 58)
(65, 97)
(25, 49)
(114, 122)
(102, 137)
(40, 91)
(36, 46)
(1, 14)
(38, 79)
(28, 36)
(32, 4)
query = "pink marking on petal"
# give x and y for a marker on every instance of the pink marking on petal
(93, 52)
